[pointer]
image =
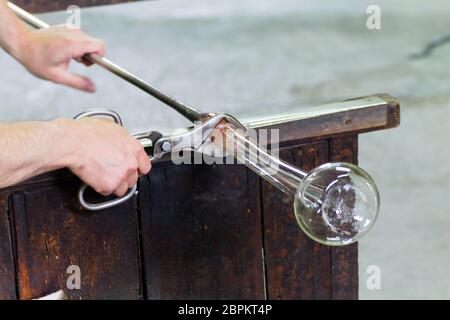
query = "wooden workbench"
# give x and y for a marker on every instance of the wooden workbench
(193, 231)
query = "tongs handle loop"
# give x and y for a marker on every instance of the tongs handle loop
(107, 204)
(100, 113)
(114, 202)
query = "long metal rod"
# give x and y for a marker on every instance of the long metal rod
(185, 110)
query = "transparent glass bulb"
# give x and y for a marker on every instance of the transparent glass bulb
(334, 204)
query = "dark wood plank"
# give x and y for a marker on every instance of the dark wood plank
(296, 266)
(36, 6)
(51, 233)
(165, 201)
(202, 233)
(344, 260)
(7, 278)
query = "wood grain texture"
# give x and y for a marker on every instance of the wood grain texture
(52, 233)
(36, 6)
(7, 273)
(202, 233)
(344, 260)
(296, 266)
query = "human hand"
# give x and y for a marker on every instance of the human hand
(47, 53)
(104, 155)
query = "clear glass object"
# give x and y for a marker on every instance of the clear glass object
(334, 204)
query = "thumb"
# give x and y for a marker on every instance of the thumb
(73, 80)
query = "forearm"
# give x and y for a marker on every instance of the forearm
(32, 148)
(12, 30)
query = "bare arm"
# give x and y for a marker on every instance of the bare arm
(28, 149)
(12, 30)
(100, 152)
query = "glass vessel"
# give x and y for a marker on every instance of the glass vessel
(334, 204)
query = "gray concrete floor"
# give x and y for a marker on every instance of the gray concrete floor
(265, 57)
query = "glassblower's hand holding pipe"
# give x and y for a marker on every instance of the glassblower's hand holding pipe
(47, 53)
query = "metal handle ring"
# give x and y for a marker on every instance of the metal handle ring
(114, 202)
(107, 204)
(100, 112)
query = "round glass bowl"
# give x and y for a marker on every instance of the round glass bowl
(337, 203)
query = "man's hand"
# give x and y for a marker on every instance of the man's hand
(47, 53)
(100, 152)
(105, 156)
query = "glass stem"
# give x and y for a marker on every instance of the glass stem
(281, 174)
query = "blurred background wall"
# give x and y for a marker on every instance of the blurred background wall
(262, 57)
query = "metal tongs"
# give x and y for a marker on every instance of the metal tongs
(197, 139)
(158, 144)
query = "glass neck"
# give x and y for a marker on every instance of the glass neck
(281, 174)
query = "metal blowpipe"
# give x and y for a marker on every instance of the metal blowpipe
(188, 112)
